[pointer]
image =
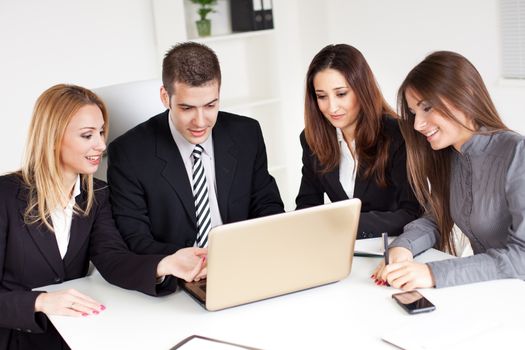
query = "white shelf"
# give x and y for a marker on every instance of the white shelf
(233, 36)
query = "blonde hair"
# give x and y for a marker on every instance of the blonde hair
(41, 170)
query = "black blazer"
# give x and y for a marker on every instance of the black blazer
(29, 258)
(383, 209)
(151, 195)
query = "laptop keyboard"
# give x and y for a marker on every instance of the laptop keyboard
(202, 285)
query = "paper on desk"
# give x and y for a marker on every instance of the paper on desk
(435, 331)
(370, 246)
(196, 342)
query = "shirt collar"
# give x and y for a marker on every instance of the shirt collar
(185, 147)
(76, 188)
(339, 134)
(478, 142)
(341, 138)
(76, 192)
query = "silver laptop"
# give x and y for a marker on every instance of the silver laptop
(262, 258)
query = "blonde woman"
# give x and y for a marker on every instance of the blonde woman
(55, 218)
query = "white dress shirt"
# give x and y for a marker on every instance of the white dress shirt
(208, 161)
(61, 219)
(347, 165)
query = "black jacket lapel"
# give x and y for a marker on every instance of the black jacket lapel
(225, 165)
(174, 172)
(80, 230)
(332, 180)
(361, 185)
(44, 240)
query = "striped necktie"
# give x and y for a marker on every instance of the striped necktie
(200, 193)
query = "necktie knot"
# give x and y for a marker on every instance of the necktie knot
(197, 151)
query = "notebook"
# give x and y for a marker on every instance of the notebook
(266, 257)
(372, 247)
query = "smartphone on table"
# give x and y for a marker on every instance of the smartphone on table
(413, 302)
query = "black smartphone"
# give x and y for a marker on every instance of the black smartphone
(413, 302)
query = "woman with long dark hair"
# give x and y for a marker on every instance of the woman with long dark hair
(352, 147)
(467, 169)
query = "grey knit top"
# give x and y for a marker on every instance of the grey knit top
(487, 203)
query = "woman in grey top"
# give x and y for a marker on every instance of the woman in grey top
(458, 146)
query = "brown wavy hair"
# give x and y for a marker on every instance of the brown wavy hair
(371, 143)
(41, 172)
(442, 77)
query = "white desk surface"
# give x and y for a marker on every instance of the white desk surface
(353, 313)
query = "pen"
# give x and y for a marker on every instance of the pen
(385, 244)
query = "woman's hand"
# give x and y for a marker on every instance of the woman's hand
(69, 302)
(186, 263)
(396, 255)
(408, 275)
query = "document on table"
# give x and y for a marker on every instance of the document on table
(370, 246)
(434, 331)
(197, 342)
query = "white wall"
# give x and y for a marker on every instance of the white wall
(96, 43)
(396, 35)
(91, 43)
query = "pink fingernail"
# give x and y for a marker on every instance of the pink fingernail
(95, 312)
(84, 314)
(102, 307)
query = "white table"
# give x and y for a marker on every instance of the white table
(353, 313)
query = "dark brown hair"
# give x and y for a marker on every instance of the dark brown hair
(442, 77)
(190, 63)
(371, 143)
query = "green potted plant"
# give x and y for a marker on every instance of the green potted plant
(204, 24)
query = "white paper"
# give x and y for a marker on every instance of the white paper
(371, 246)
(434, 331)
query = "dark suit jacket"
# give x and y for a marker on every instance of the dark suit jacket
(29, 258)
(383, 209)
(151, 194)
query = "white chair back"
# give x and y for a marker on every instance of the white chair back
(128, 105)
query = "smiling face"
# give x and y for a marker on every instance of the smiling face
(194, 109)
(337, 101)
(83, 143)
(440, 131)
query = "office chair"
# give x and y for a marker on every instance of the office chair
(128, 104)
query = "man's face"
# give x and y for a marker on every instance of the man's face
(194, 109)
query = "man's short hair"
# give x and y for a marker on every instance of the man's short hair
(190, 63)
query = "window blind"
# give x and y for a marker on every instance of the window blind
(513, 38)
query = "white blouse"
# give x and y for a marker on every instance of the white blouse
(347, 165)
(61, 219)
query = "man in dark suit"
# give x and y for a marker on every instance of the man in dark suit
(160, 201)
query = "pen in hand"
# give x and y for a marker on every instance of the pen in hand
(385, 244)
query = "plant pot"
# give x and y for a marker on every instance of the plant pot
(203, 27)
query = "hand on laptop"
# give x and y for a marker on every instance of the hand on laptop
(396, 255)
(186, 263)
(203, 273)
